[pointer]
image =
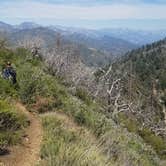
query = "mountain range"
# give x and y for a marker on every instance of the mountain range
(96, 47)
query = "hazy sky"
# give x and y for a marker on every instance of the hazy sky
(136, 14)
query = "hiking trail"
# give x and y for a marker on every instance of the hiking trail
(26, 153)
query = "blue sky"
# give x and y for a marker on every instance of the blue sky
(134, 14)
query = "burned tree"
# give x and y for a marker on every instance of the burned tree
(34, 44)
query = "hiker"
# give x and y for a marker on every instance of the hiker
(35, 52)
(9, 73)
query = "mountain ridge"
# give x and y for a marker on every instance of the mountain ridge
(105, 47)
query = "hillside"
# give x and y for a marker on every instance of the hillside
(111, 44)
(47, 39)
(5, 27)
(138, 91)
(76, 131)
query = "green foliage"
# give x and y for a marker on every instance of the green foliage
(144, 83)
(131, 124)
(10, 138)
(11, 124)
(29, 81)
(68, 147)
(109, 133)
(82, 94)
(80, 117)
(62, 146)
(7, 89)
(5, 56)
(157, 142)
(149, 65)
(162, 80)
(83, 114)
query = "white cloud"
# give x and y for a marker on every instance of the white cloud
(115, 11)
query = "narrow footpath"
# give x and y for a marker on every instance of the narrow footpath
(28, 152)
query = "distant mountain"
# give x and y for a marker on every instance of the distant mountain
(90, 38)
(5, 27)
(139, 37)
(90, 55)
(49, 36)
(95, 46)
(102, 42)
(27, 25)
(95, 39)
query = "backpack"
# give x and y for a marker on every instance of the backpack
(12, 72)
(6, 74)
(9, 73)
(13, 75)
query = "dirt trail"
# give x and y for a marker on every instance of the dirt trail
(26, 154)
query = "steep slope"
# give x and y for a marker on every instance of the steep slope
(12, 124)
(77, 140)
(142, 92)
(42, 92)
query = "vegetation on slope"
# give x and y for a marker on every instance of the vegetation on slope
(67, 144)
(143, 77)
(12, 124)
(43, 92)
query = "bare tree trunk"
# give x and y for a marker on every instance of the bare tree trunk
(153, 94)
(130, 82)
(109, 96)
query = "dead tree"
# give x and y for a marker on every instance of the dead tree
(58, 41)
(34, 44)
(113, 87)
(130, 81)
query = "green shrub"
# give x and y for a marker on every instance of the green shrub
(148, 136)
(7, 89)
(68, 147)
(131, 124)
(155, 141)
(10, 138)
(11, 124)
(80, 117)
(82, 94)
(30, 85)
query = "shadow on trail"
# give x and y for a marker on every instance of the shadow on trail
(4, 151)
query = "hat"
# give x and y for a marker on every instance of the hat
(8, 63)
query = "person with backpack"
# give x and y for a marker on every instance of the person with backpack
(9, 73)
